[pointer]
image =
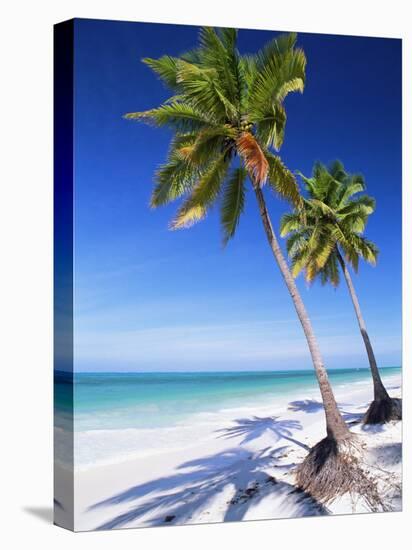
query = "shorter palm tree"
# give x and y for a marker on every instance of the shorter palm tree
(329, 237)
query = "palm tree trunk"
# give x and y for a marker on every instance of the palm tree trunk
(335, 425)
(380, 392)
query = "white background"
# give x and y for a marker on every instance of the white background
(26, 271)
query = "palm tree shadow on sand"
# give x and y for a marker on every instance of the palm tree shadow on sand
(255, 427)
(312, 406)
(306, 405)
(238, 478)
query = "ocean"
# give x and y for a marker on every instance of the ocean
(118, 415)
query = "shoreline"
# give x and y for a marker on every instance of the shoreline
(243, 469)
(145, 429)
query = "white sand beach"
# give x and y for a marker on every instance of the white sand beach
(242, 469)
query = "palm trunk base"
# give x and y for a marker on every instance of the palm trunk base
(333, 468)
(383, 410)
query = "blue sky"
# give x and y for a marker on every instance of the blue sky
(150, 299)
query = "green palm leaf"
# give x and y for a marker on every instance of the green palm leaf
(270, 128)
(280, 69)
(296, 243)
(282, 181)
(330, 272)
(202, 89)
(208, 144)
(181, 117)
(289, 223)
(173, 180)
(362, 205)
(352, 187)
(219, 51)
(203, 194)
(233, 203)
(166, 68)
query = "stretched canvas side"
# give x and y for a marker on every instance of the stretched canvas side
(63, 276)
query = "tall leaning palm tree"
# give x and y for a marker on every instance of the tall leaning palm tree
(228, 120)
(328, 239)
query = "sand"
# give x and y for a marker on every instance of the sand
(241, 470)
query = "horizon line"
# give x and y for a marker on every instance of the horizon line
(309, 369)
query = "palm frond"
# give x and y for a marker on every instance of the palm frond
(323, 207)
(310, 184)
(166, 68)
(254, 158)
(202, 89)
(296, 243)
(181, 117)
(362, 205)
(218, 49)
(355, 184)
(203, 195)
(248, 65)
(173, 180)
(354, 223)
(208, 144)
(337, 171)
(280, 70)
(330, 272)
(233, 202)
(300, 260)
(282, 181)
(289, 223)
(323, 250)
(322, 185)
(363, 248)
(177, 176)
(270, 128)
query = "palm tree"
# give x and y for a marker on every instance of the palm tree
(329, 236)
(228, 118)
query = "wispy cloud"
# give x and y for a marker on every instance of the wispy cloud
(125, 270)
(214, 346)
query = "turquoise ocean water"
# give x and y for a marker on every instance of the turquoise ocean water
(117, 415)
(150, 400)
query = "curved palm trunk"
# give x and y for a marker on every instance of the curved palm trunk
(380, 393)
(335, 425)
